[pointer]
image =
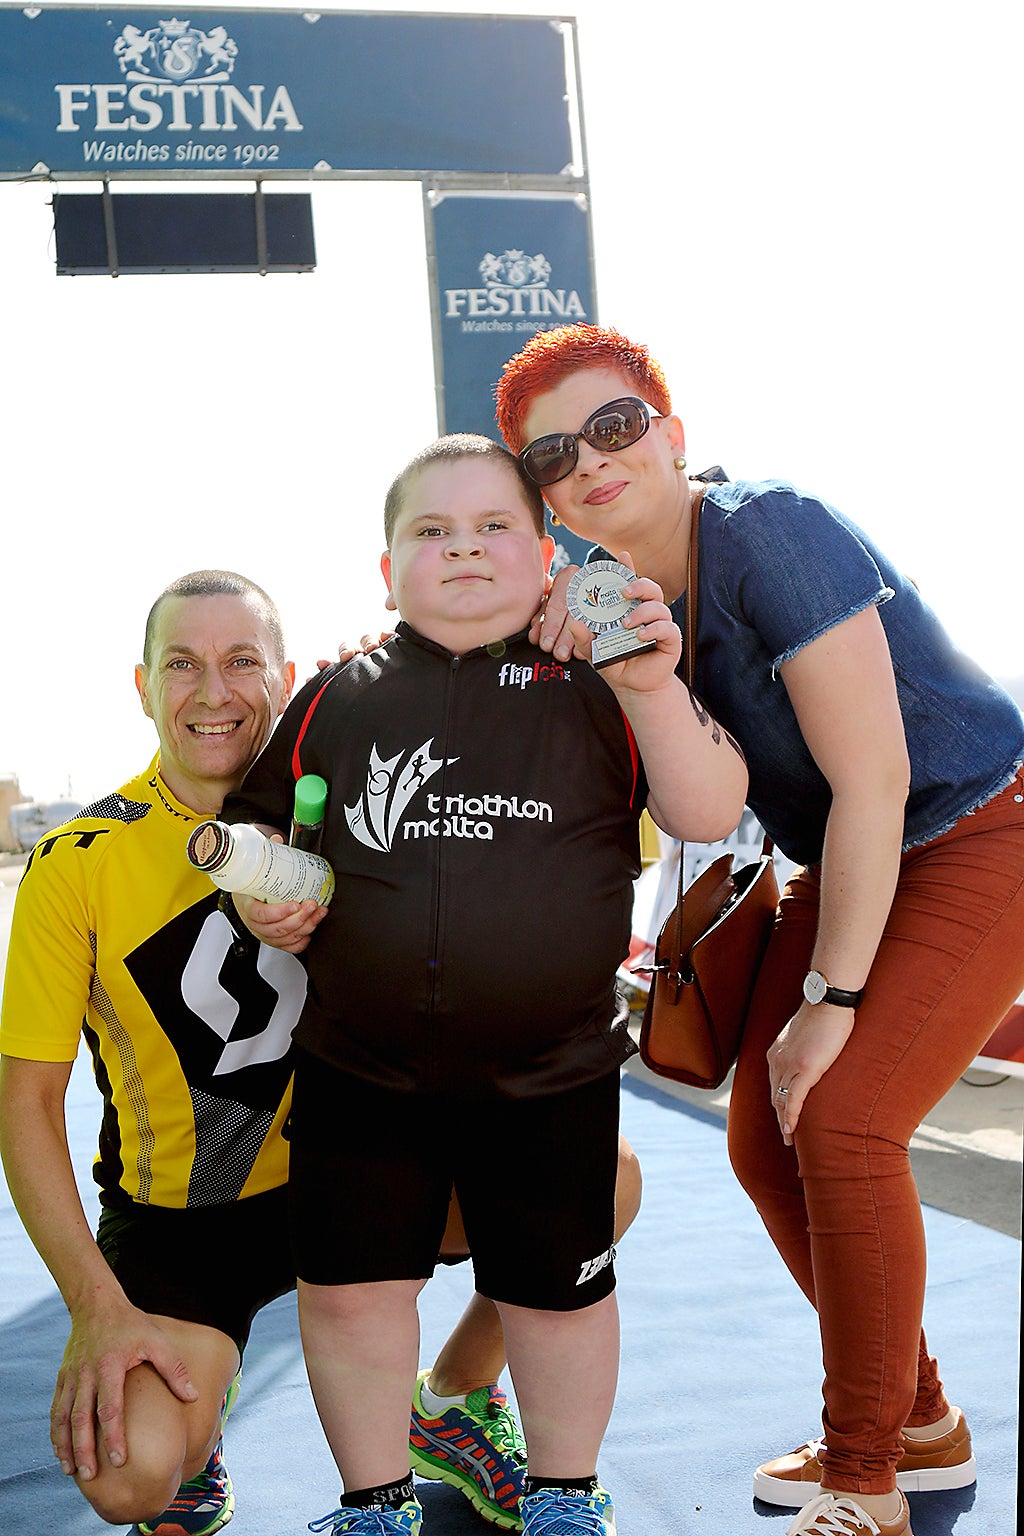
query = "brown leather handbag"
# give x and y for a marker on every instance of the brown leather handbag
(710, 946)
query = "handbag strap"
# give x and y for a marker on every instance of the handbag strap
(767, 847)
(691, 587)
(690, 641)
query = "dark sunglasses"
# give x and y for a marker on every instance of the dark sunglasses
(619, 424)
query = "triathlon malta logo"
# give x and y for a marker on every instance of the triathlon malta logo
(517, 286)
(379, 817)
(389, 787)
(177, 51)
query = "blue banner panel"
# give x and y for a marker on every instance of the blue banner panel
(130, 91)
(507, 267)
(183, 232)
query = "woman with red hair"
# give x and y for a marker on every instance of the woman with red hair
(889, 768)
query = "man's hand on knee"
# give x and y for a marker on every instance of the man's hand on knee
(89, 1395)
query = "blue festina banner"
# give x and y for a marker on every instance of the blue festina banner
(507, 266)
(130, 91)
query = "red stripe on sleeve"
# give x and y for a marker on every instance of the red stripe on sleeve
(634, 757)
(296, 757)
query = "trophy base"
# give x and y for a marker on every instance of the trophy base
(613, 645)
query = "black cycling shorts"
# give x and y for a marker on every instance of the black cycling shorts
(372, 1171)
(211, 1264)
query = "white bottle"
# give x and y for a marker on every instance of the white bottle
(240, 858)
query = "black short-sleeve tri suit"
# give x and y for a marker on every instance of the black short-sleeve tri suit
(482, 824)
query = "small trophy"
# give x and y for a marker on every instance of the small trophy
(594, 598)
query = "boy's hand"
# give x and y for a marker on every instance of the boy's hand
(650, 670)
(549, 627)
(287, 925)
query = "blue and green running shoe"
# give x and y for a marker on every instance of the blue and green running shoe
(562, 1512)
(478, 1448)
(201, 1506)
(207, 1501)
(405, 1521)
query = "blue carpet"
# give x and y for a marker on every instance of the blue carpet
(720, 1363)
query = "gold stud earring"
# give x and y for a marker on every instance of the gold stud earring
(556, 521)
(679, 462)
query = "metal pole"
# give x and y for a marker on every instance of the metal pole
(262, 259)
(109, 230)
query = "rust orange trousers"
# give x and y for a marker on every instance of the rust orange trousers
(841, 1204)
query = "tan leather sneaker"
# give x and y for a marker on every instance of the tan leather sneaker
(945, 1462)
(839, 1514)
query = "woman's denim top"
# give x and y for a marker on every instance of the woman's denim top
(776, 570)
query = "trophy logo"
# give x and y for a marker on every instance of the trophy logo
(594, 598)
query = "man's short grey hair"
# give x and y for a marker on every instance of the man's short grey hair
(219, 584)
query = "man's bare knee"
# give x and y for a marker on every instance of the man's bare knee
(168, 1441)
(137, 1491)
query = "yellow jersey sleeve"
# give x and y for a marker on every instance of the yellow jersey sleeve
(116, 936)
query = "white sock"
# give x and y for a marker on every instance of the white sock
(928, 1432)
(435, 1405)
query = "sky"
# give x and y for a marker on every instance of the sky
(808, 211)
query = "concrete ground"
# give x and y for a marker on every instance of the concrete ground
(967, 1155)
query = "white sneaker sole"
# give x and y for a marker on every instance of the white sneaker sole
(780, 1490)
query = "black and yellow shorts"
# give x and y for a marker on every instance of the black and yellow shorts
(211, 1264)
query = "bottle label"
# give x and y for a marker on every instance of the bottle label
(209, 846)
(242, 859)
(289, 874)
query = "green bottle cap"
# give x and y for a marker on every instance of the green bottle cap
(310, 799)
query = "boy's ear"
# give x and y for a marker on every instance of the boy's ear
(547, 552)
(385, 566)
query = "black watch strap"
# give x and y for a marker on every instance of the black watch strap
(818, 989)
(841, 998)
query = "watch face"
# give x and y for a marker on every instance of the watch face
(815, 987)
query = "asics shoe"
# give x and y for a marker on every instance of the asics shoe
(944, 1462)
(202, 1505)
(346, 1521)
(207, 1501)
(478, 1448)
(561, 1512)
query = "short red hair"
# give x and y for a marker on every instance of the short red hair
(550, 356)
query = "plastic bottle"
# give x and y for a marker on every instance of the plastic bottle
(240, 858)
(308, 817)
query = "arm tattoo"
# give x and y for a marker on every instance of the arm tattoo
(704, 718)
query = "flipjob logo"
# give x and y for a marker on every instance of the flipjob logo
(516, 295)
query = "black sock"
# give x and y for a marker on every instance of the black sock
(584, 1486)
(384, 1496)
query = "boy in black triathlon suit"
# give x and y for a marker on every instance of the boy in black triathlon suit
(483, 827)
